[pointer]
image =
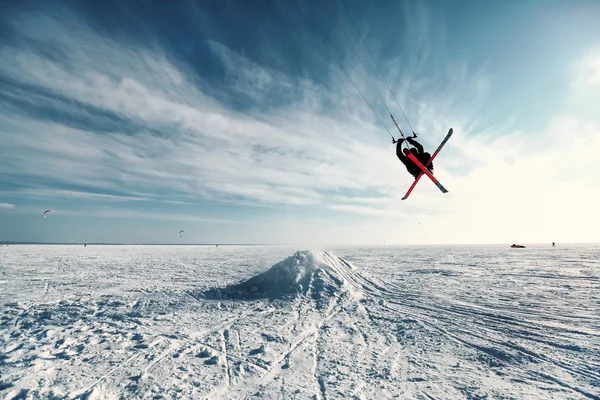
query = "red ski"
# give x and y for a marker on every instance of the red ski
(426, 165)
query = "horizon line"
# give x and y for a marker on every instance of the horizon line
(273, 244)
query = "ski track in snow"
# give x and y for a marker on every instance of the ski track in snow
(432, 322)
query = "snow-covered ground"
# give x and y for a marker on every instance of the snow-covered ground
(435, 322)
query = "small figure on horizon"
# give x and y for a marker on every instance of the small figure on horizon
(553, 245)
(85, 245)
(417, 151)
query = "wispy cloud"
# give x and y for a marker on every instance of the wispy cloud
(53, 193)
(119, 213)
(587, 70)
(187, 144)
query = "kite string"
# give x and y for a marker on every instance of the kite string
(344, 70)
(377, 65)
(357, 55)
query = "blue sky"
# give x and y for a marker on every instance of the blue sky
(231, 120)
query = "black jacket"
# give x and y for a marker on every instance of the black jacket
(421, 155)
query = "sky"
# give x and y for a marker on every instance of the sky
(267, 122)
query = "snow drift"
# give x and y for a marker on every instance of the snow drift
(315, 274)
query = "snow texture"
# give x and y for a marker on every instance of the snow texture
(149, 322)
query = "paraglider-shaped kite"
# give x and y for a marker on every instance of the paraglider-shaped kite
(47, 211)
(180, 232)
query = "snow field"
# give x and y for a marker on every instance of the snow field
(274, 323)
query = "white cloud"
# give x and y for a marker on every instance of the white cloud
(7, 206)
(594, 76)
(587, 70)
(584, 97)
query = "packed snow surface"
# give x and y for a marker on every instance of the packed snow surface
(151, 322)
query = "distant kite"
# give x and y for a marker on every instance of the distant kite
(47, 211)
(180, 232)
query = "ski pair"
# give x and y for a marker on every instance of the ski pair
(423, 168)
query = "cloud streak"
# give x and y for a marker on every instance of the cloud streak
(186, 143)
(117, 213)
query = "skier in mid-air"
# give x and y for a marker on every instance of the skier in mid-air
(417, 151)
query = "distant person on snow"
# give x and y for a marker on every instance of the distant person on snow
(417, 151)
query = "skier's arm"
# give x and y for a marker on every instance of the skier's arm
(416, 144)
(399, 152)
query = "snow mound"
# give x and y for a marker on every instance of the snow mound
(307, 273)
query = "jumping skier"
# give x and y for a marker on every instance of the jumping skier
(417, 151)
